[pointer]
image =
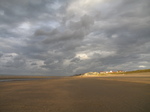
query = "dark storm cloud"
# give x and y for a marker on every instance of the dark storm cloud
(16, 10)
(1, 54)
(85, 22)
(65, 37)
(33, 64)
(17, 62)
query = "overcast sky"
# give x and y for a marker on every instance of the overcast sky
(66, 37)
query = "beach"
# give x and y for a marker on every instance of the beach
(129, 93)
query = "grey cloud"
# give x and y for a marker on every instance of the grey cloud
(15, 11)
(75, 60)
(1, 54)
(16, 62)
(33, 64)
(85, 22)
(65, 36)
(113, 34)
(41, 32)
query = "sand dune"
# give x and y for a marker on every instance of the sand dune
(76, 94)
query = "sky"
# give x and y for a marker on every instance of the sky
(67, 37)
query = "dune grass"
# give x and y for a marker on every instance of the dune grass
(139, 71)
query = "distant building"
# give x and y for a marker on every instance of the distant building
(105, 72)
(120, 71)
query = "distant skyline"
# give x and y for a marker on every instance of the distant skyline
(66, 37)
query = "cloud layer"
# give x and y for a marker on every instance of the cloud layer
(66, 37)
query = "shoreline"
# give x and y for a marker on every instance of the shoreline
(76, 94)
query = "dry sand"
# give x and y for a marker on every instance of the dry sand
(77, 94)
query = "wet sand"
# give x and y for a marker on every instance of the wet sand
(77, 94)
